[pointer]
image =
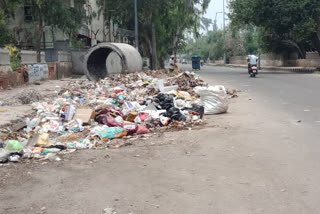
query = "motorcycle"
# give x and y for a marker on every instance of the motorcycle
(253, 71)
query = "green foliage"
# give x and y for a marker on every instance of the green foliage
(284, 25)
(77, 44)
(211, 45)
(2, 17)
(171, 19)
(206, 23)
(251, 41)
(7, 9)
(5, 36)
(58, 14)
(15, 57)
(208, 46)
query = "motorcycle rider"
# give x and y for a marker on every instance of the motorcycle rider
(252, 61)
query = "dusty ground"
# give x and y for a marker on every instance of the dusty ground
(255, 159)
(217, 169)
(15, 104)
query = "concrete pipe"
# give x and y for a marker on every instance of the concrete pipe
(111, 58)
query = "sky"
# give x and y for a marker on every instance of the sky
(214, 7)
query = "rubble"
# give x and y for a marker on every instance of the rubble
(233, 93)
(110, 113)
(24, 97)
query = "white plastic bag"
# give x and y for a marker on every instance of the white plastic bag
(31, 124)
(130, 106)
(213, 98)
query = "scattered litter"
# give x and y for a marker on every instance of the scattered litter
(109, 210)
(13, 146)
(52, 157)
(110, 113)
(233, 93)
(14, 157)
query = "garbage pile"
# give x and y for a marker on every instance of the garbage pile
(90, 115)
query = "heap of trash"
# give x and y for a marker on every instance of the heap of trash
(90, 115)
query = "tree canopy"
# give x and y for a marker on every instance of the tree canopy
(171, 19)
(56, 14)
(211, 46)
(7, 10)
(284, 25)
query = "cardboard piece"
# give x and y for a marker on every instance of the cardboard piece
(85, 115)
(132, 116)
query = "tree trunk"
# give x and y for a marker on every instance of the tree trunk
(174, 47)
(176, 42)
(316, 42)
(161, 63)
(149, 51)
(301, 51)
(154, 48)
(39, 38)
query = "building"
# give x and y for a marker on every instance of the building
(89, 34)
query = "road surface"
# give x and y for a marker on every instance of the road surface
(261, 157)
(293, 93)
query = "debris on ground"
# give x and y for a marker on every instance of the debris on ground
(110, 113)
(232, 93)
(24, 97)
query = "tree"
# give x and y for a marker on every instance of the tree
(57, 14)
(7, 11)
(284, 26)
(169, 18)
(206, 46)
(211, 44)
(206, 23)
(122, 11)
(185, 14)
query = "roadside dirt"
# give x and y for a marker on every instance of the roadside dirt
(140, 178)
(246, 161)
(15, 104)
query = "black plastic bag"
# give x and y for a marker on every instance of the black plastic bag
(196, 108)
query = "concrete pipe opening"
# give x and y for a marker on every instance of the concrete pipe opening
(111, 58)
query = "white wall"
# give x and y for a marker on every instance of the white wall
(30, 57)
(4, 57)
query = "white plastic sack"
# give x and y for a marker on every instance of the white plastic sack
(213, 98)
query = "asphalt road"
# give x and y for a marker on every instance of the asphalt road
(294, 93)
(261, 157)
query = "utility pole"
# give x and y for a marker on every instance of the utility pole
(154, 47)
(136, 24)
(224, 32)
